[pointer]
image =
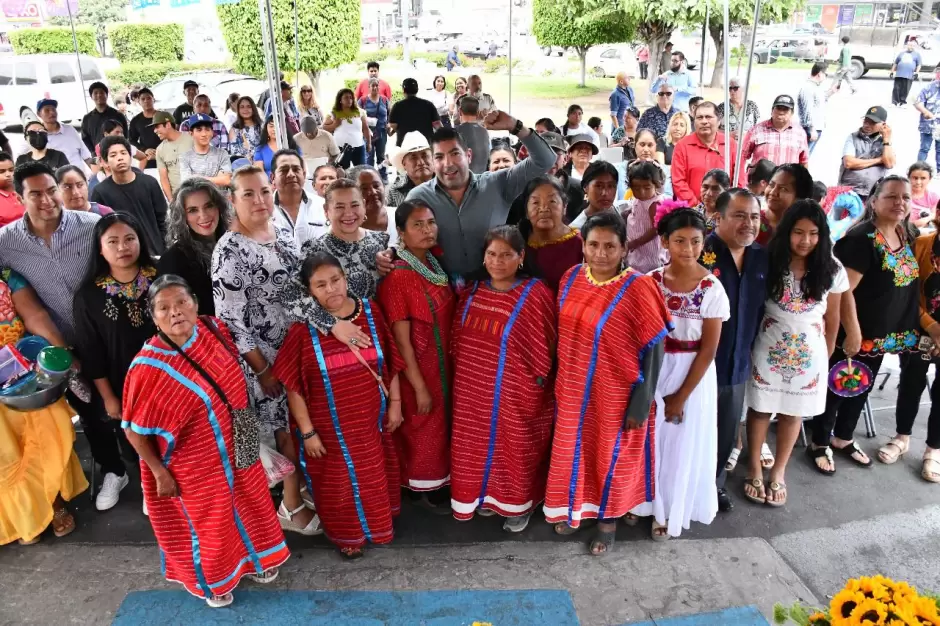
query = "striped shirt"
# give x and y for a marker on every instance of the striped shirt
(55, 271)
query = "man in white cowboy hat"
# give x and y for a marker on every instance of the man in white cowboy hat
(413, 162)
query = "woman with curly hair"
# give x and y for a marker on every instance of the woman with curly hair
(790, 359)
(196, 219)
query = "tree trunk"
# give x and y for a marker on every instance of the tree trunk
(314, 76)
(717, 33)
(655, 34)
(582, 54)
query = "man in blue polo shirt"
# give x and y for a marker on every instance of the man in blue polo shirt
(741, 265)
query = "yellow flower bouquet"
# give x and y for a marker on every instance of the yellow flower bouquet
(868, 601)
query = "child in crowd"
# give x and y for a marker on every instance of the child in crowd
(758, 177)
(597, 126)
(646, 182)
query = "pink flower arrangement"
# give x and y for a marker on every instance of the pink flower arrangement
(665, 208)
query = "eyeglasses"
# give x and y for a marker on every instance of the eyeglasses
(664, 94)
(34, 133)
(733, 88)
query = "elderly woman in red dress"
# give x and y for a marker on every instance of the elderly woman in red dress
(551, 246)
(419, 305)
(184, 397)
(611, 326)
(344, 407)
(504, 349)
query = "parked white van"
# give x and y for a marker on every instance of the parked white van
(26, 79)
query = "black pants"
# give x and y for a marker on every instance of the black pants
(841, 415)
(101, 431)
(910, 389)
(644, 69)
(730, 407)
(902, 87)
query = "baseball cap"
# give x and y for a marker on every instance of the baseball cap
(46, 102)
(877, 114)
(555, 141)
(784, 101)
(161, 117)
(198, 119)
(190, 83)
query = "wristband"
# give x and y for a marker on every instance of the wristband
(517, 128)
(310, 435)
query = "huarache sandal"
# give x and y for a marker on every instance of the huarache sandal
(777, 494)
(264, 577)
(218, 602)
(733, 460)
(757, 485)
(930, 471)
(562, 528)
(630, 519)
(62, 522)
(603, 542)
(893, 450)
(659, 532)
(854, 453)
(767, 459)
(815, 454)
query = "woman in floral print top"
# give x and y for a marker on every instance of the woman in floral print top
(881, 318)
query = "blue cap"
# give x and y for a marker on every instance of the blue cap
(46, 102)
(198, 119)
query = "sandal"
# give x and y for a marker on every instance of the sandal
(775, 490)
(850, 451)
(767, 459)
(307, 499)
(62, 522)
(733, 460)
(893, 450)
(603, 539)
(351, 554)
(264, 577)
(930, 471)
(217, 602)
(31, 542)
(659, 532)
(630, 519)
(758, 485)
(817, 453)
(562, 528)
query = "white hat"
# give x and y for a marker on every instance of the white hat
(413, 142)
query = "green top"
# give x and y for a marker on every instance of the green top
(845, 58)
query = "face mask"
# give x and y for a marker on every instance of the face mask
(38, 140)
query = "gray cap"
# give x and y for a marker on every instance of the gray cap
(574, 140)
(554, 140)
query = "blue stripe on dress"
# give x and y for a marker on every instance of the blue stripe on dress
(334, 415)
(380, 359)
(244, 560)
(466, 308)
(592, 363)
(186, 346)
(140, 430)
(610, 476)
(497, 391)
(219, 441)
(197, 556)
(571, 277)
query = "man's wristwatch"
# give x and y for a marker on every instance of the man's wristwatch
(517, 128)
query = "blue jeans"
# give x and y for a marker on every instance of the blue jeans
(376, 157)
(356, 156)
(926, 139)
(812, 144)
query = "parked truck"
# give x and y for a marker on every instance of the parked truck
(876, 47)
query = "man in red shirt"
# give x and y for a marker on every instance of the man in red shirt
(11, 209)
(698, 153)
(777, 139)
(363, 89)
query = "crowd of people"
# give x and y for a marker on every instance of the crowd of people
(483, 319)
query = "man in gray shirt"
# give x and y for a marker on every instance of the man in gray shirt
(467, 205)
(203, 160)
(867, 154)
(476, 138)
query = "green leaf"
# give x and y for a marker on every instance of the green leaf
(53, 40)
(146, 43)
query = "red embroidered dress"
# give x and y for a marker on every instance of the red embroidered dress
(503, 346)
(598, 469)
(423, 441)
(355, 486)
(223, 525)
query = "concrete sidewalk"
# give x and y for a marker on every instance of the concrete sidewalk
(86, 584)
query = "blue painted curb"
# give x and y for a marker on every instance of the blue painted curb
(737, 616)
(353, 608)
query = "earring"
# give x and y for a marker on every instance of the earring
(520, 266)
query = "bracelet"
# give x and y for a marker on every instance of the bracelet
(310, 435)
(262, 372)
(394, 400)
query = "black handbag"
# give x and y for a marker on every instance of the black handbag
(245, 423)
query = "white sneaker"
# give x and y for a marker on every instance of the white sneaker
(110, 491)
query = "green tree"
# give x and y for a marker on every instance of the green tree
(572, 24)
(330, 32)
(97, 13)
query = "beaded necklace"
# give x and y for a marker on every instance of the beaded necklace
(435, 275)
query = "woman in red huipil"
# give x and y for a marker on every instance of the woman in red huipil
(504, 345)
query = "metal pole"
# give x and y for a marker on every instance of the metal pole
(296, 46)
(406, 26)
(727, 98)
(273, 72)
(378, 36)
(747, 86)
(78, 58)
(509, 106)
(702, 58)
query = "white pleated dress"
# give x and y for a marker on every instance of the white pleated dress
(686, 452)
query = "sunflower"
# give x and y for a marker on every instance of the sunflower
(875, 587)
(817, 619)
(925, 611)
(869, 612)
(842, 605)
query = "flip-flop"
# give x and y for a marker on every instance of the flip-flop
(664, 536)
(603, 538)
(848, 450)
(774, 488)
(930, 469)
(561, 528)
(758, 484)
(733, 460)
(816, 453)
(893, 450)
(630, 519)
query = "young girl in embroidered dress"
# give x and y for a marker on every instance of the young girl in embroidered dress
(790, 359)
(687, 392)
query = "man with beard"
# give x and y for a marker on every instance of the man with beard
(680, 79)
(732, 255)
(294, 210)
(699, 153)
(413, 160)
(466, 204)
